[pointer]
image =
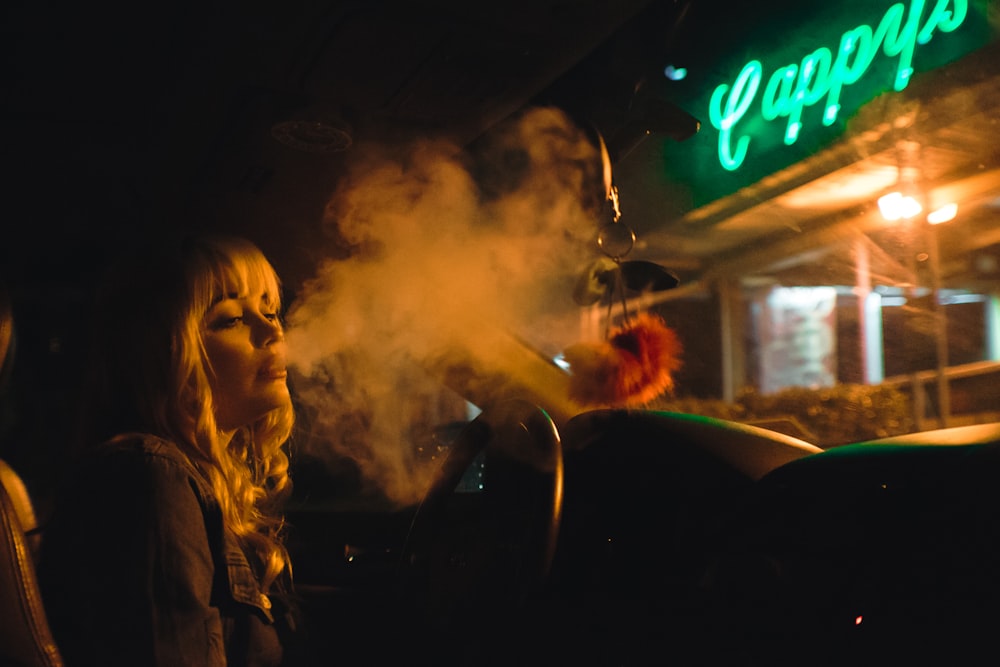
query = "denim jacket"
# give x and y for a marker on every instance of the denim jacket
(137, 568)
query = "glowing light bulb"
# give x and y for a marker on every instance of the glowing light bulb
(675, 73)
(895, 206)
(943, 214)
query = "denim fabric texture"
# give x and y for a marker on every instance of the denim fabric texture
(137, 568)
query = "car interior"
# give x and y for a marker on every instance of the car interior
(578, 381)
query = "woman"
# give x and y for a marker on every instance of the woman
(167, 547)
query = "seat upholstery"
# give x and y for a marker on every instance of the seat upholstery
(25, 637)
(24, 509)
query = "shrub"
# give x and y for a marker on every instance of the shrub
(836, 415)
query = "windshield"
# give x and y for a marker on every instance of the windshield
(782, 214)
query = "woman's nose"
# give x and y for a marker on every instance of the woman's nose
(268, 330)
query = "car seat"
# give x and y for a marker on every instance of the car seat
(25, 637)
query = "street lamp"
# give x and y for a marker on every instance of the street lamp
(899, 206)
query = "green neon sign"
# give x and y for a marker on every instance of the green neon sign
(821, 75)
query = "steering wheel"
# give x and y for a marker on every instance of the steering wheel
(477, 555)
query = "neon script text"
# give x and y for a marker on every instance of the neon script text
(821, 74)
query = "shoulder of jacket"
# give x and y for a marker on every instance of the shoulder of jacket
(146, 447)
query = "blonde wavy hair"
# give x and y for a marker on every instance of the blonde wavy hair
(153, 376)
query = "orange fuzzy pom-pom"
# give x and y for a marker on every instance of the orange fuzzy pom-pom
(632, 367)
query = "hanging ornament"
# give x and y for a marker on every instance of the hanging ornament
(636, 361)
(632, 367)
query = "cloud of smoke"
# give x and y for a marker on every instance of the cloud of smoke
(445, 250)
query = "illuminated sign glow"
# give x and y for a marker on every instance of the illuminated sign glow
(821, 74)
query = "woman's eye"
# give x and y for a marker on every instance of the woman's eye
(271, 317)
(227, 322)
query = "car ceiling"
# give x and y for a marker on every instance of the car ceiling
(124, 118)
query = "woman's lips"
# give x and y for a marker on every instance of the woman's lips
(273, 373)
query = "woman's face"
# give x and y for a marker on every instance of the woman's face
(246, 354)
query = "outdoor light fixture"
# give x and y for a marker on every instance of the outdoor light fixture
(675, 73)
(943, 214)
(897, 206)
